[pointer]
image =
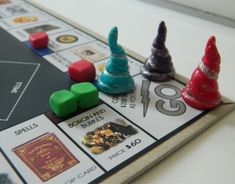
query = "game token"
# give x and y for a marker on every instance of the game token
(39, 40)
(202, 90)
(82, 71)
(63, 103)
(87, 95)
(158, 66)
(115, 78)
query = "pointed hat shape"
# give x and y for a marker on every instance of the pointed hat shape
(211, 57)
(159, 42)
(116, 49)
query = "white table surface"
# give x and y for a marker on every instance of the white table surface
(209, 158)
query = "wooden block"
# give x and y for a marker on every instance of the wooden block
(86, 94)
(63, 103)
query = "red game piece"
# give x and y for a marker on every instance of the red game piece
(82, 71)
(39, 40)
(202, 91)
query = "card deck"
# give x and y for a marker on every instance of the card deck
(46, 156)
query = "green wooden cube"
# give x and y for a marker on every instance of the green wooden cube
(63, 103)
(86, 93)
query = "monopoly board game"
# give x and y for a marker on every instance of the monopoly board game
(152, 121)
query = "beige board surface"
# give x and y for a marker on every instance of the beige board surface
(152, 157)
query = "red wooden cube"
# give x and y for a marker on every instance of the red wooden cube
(82, 71)
(39, 40)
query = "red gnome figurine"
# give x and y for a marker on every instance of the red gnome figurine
(202, 90)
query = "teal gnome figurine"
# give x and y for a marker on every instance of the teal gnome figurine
(115, 79)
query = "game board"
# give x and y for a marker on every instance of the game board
(38, 147)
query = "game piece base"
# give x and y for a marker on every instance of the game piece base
(196, 103)
(158, 77)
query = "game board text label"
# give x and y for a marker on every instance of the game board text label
(119, 152)
(125, 100)
(115, 99)
(133, 99)
(133, 143)
(82, 174)
(90, 122)
(21, 34)
(177, 107)
(16, 87)
(88, 171)
(88, 119)
(26, 129)
(61, 59)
